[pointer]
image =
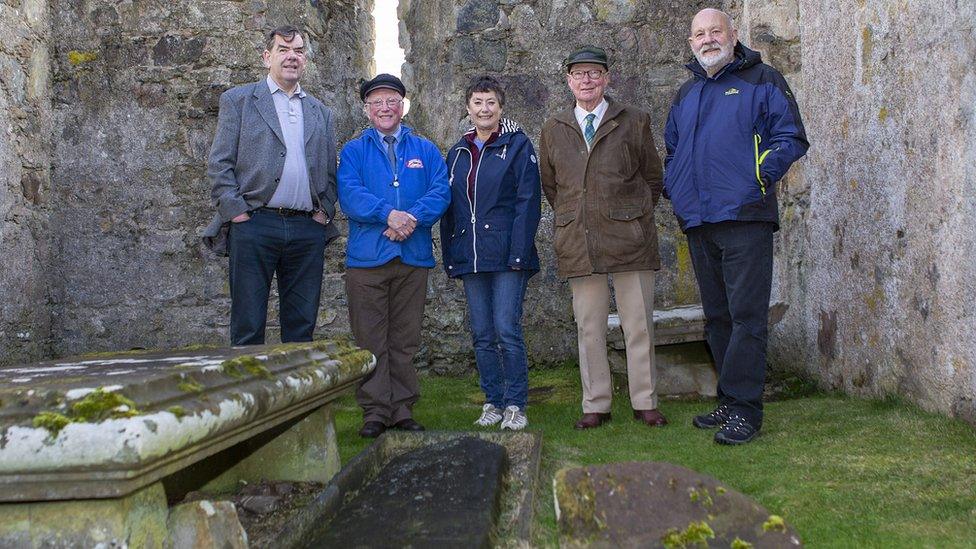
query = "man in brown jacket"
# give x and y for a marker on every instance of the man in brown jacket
(602, 176)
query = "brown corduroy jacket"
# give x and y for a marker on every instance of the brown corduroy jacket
(603, 200)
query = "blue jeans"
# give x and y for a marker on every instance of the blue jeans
(268, 244)
(495, 308)
(733, 263)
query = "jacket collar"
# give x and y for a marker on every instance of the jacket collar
(614, 108)
(372, 134)
(743, 58)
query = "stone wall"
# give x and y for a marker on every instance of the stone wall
(136, 88)
(25, 189)
(523, 44)
(878, 255)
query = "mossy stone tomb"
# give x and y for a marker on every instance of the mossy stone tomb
(107, 439)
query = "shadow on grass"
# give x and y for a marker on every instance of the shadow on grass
(844, 472)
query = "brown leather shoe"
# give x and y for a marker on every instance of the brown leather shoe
(589, 421)
(651, 418)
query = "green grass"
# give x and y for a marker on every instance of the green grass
(844, 472)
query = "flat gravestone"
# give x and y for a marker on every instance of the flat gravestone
(443, 495)
(653, 504)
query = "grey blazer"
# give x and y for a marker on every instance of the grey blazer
(248, 154)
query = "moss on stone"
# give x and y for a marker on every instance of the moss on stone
(114, 354)
(774, 523)
(177, 411)
(696, 534)
(740, 544)
(247, 364)
(100, 405)
(52, 421)
(577, 501)
(76, 57)
(190, 385)
(701, 496)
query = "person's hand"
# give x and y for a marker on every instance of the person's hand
(393, 235)
(320, 217)
(241, 218)
(401, 223)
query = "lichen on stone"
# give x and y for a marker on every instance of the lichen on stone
(247, 364)
(190, 385)
(100, 405)
(774, 523)
(696, 534)
(738, 543)
(52, 421)
(76, 57)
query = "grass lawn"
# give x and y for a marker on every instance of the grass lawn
(844, 472)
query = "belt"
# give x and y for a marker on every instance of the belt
(287, 212)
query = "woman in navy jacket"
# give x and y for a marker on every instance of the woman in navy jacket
(488, 241)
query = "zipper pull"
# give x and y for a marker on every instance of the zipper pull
(473, 220)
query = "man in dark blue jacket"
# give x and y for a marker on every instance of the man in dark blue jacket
(393, 186)
(733, 131)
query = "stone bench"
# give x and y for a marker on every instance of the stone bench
(93, 447)
(684, 367)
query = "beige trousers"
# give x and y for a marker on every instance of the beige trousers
(635, 304)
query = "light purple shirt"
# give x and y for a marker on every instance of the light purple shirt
(293, 189)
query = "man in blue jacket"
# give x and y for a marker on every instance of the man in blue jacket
(733, 131)
(393, 187)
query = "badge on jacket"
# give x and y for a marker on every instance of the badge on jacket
(415, 163)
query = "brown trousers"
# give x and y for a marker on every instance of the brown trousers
(386, 310)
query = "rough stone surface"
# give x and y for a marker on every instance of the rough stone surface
(205, 525)
(876, 252)
(460, 479)
(645, 504)
(514, 520)
(25, 181)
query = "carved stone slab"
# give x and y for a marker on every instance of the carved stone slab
(106, 425)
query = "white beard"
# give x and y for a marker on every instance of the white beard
(724, 56)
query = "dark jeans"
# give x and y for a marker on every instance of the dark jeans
(268, 244)
(733, 262)
(386, 311)
(495, 308)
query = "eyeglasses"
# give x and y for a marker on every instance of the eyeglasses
(594, 74)
(390, 103)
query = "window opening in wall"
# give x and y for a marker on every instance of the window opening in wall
(388, 56)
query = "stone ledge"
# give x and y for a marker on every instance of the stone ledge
(681, 324)
(177, 409)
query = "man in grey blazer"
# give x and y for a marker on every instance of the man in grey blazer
(273, 169)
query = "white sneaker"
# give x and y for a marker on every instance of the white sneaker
(489, 416)
(514, 419)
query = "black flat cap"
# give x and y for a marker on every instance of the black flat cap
(384, 80)
(587, 54)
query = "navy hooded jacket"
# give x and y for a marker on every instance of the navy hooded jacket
(729, 139)
(493, 230)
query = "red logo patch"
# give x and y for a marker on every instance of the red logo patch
(415, 163)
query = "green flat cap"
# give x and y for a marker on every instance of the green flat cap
(587, 54)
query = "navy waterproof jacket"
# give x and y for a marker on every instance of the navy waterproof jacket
(369, 190)
(729, 139)
(495, 230)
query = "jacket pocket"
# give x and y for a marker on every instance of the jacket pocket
(759, 157)
(626, 213)
(565, 214)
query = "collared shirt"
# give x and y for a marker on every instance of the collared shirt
(395, 134)
(293, 189)
(599, 111)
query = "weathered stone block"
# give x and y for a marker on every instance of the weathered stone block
(653, 504)
(205, 525)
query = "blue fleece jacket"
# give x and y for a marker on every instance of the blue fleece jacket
(369, 190)
(729, 139)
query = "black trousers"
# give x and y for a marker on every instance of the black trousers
(733, 263)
